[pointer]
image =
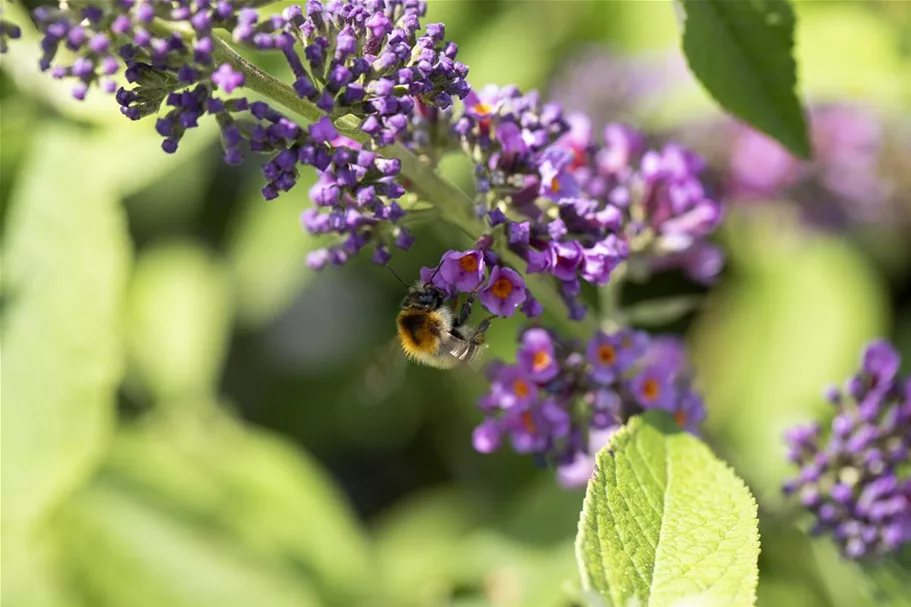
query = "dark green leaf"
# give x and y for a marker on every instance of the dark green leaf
(741, 51)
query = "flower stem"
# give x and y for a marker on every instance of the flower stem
(455, 206)
(610, 311)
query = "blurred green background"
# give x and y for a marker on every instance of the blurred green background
(182, 415)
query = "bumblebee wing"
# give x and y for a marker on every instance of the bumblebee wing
(461, 351)
(383, 372)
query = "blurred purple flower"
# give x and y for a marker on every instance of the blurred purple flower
(853, 474)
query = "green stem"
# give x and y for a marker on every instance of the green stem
(609, 295)
(455, 206)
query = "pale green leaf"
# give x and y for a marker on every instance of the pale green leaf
(250, 488)
(123, 550)
(742, 54)
(179, 320)
(415, 544)
(665, 522)
(66, 257)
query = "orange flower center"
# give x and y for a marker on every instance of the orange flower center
(502, 288)
(540, 361)
(528, 422)
(680, 418)
(554, 185)
(469, 263)
(484, 109)
(520, 387)
(651, 389)
(607, 354)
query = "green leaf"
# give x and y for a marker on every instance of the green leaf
(122, 550)
(179, 321)
(251, 489)
(741, 52)
(654, 312)
(66, 258)
(664, 522)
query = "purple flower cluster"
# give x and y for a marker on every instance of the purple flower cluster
(840, 185)
(574, 207)
(364, 57)
(854, 476)
(466, 271)
(349, 198)
(358, 57)
(561, 402)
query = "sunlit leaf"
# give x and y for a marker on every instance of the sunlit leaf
(31, 574)
(665, 522)
(741, 52)
(179, 320)
(415, 545)
(252, 489)
(66, 257)
(123, 550)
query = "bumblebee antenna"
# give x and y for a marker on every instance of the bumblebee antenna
(396, 274)
(435, 272)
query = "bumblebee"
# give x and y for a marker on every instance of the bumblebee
(431, 334)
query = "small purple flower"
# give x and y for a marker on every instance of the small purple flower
(505, 291)
(578, 470)
(557, 181)
(464, 270)
(227, 79)
(533, 430)
(435, 277)
(511, 388)
(610, 355)
(652, 389)
(566, 259)
(536, 357)
(486, 437)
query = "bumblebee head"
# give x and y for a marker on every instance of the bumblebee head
(424, 297)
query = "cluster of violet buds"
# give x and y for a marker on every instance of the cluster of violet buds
(363, 58)
(854, 476)
(561, 402)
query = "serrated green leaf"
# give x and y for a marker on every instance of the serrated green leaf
(66, 258)
(665, 522)
(742, 53)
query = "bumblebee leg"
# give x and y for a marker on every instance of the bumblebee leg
(478, 335)
(464, 311)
